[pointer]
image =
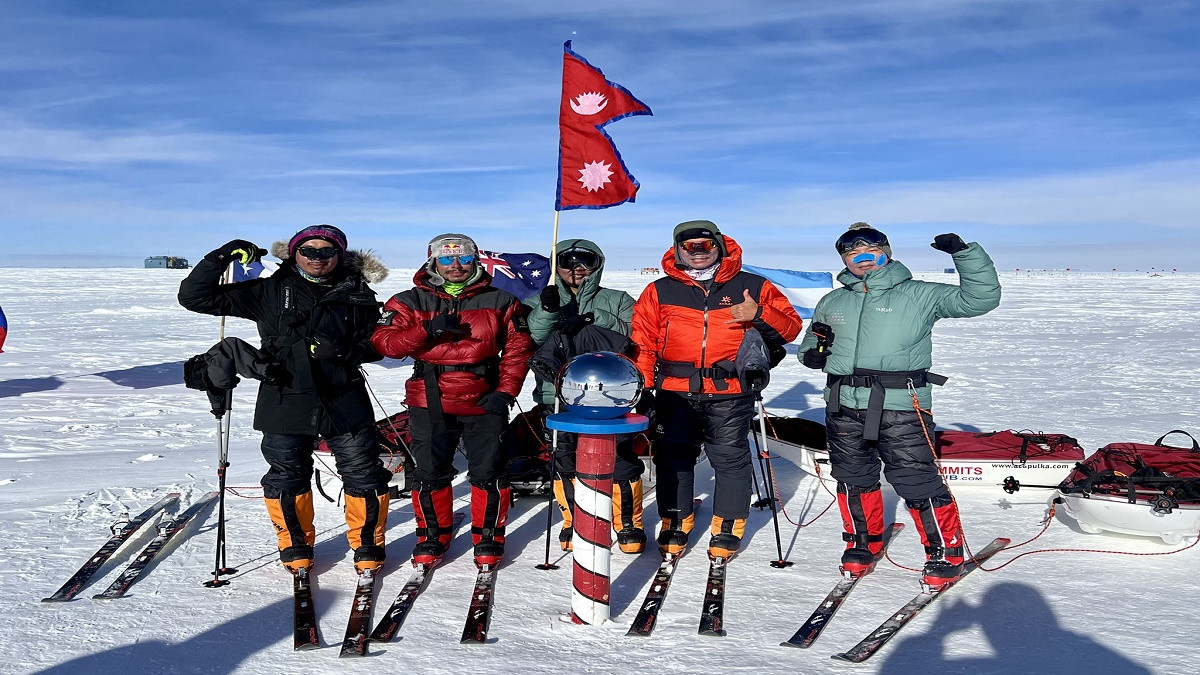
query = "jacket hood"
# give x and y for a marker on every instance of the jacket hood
(731, 263)
(591, 284)
(366, 263)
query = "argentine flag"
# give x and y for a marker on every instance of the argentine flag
(804, 289)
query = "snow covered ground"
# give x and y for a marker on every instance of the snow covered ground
(95, 423)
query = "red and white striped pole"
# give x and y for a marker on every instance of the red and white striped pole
(595, 458)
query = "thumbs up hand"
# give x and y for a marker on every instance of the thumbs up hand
(746, 310)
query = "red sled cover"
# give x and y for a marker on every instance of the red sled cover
(1017, 447)
(1120, 467)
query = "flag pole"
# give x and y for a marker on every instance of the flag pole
(554, 251)
(547, 565)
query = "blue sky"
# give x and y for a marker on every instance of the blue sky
(1058, 134)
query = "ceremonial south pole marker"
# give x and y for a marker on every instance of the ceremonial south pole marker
(595, 458)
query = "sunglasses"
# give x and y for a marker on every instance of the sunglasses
(570, 259)
(860, 237)
(698, 247)
(448, 260)
(313, 253)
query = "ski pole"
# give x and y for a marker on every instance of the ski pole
(546, 566)
(768, 479)
(223, 424)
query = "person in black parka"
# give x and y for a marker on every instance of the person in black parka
(315, 316)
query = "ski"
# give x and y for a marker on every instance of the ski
(811, 630)
(355, 642)
(398, 612)
(122, 530)
(304, 615)
(647, 616)
(712, 612)
(479, 616)
(888, 629)
(167, 529)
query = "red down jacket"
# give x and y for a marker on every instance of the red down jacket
(496, 337)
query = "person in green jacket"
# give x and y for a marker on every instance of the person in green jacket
(873, 338)
(566, 308)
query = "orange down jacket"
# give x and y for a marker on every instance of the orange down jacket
(678, 325)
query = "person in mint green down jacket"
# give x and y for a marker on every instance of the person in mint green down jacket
(564, 310)
(873, 339)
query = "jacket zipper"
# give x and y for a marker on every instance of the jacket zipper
(704, 338)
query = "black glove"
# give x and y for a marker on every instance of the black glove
(276, 374)
(646, 403)
(573, 324)
(240, 250)
(323, 347)
(195, 373)
(496, 403)
(950, 243)
(442, 324)
(815, 359)
(757, 379)
(543, 369)
(550, 300)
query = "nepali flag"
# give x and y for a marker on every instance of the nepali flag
(522, 274)
(3, 330)
(591, 174)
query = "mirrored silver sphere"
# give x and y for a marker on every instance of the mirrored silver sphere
(599, 385)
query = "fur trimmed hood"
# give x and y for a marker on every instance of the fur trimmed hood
(366, 263)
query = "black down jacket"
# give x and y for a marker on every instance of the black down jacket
(318, 396)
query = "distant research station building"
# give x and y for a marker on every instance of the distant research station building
(166, 261)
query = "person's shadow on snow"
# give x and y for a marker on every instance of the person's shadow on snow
(220, 649)
(1023, 633)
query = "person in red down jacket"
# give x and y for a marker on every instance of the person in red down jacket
(471, 349)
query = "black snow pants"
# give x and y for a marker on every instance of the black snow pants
(723, 426)
(905, 455)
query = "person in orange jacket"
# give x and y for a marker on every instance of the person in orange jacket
(688, 327)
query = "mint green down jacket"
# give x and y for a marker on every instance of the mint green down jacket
(611, 308)
(884, 321)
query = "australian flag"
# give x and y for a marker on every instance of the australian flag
(522, 274)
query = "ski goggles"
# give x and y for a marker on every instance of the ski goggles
(463, 260)
(698, 247)
(324, 253)
(853, 239)
(578, 257)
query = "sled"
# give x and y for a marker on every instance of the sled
(394, 440)
(965, 458)
(987, 458)
(799, 441)
(526, 442)
(1137, 489)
